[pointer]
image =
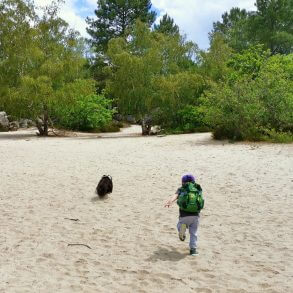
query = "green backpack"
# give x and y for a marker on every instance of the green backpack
(190, 198)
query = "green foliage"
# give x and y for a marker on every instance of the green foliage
(234, 111)
(190, 119)
(114, 18)
(249, 62)
(272, 135)
(132, 73)
(150, 73)
(178, 100)
(167, 26)
(16, 48)
(234, 28)
(253, 105)
(271, 25)
(86, 113)
(275, 89)
(214, 61)
(241, 87)
(43, 67)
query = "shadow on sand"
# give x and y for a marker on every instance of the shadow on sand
(17, 136)
(31, 133)
(97, 198)
(164, 254)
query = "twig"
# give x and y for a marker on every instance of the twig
(72, 219)
(73, 244)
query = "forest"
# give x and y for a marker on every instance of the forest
(240, 88)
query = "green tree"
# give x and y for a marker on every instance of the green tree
(272, 25)
(167, 26)
(134, 65)
(16, 47)
(114, 18)
(46, 61)
(234, 111)
(274, 87)
(138, 68)
(255, 101)
(233, 28)
(249, 62)
(178, 101)
(213, 63)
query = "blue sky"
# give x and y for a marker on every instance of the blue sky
(194, 17)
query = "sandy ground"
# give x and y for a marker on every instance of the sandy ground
(245, 235)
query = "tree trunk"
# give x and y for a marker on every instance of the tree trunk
(146, 126)
(46, 123)
(43, 124)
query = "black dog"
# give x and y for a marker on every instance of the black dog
(105, 186)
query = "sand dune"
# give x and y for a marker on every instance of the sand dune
(245, 236)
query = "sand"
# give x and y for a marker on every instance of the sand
(245, 235)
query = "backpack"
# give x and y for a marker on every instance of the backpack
(105, 185)
(190, 198)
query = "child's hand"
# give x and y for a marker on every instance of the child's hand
(170, 201)
(167, 204)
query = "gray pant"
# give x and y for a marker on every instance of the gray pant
(192, 224)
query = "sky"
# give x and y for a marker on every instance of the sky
(194, 17)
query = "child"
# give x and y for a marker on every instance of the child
(190, 201)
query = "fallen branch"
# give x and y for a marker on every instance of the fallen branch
(74, 244)
(72, 219)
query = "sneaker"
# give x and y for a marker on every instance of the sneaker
(193, 252)
(182, 232)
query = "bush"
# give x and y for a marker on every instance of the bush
(234, 112)
(279, 137)
(189, 119)
(253, 107)
(86, 113)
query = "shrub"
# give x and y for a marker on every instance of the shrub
(234, 112)
(253, 107)
(279, 137)
(86, 113)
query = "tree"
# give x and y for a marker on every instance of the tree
(114, 18)
(248, 63)
(213, 63)
(233, 28)
(141, 72)
(274, 87)
(16, 47)
(272, 25)
(133, 68)
(255, 100)
(167, 26)
(178, 100)
(47, 59)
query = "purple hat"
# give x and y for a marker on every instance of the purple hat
(188, 178)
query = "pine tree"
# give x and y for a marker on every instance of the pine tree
(272, 25)
(114, 18)
(167, 26)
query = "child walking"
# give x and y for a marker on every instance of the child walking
(190, 201)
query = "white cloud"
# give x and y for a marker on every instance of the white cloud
(195, 17)
(92, 3)
(70, 13)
